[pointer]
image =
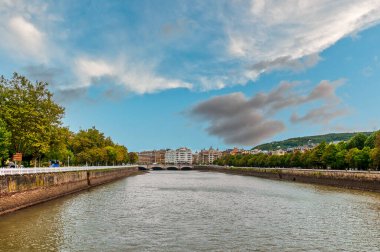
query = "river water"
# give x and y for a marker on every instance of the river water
(198, 211)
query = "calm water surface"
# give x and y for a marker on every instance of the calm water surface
(198, 211)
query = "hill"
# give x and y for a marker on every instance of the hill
(301, 141)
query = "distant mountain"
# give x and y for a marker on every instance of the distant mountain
(301, 141)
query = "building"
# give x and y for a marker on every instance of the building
(152, 157)
(179, 156)
(208, 156)
(233, 152)
(145, 157)
(279, 152)
(251, 152)
(196, 158)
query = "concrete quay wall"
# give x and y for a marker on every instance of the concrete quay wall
(20, 191)
(362, 180)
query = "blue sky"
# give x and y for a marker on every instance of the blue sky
(165, 74)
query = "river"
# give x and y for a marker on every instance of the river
(198, 211)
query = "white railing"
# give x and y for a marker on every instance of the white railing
(11, 171)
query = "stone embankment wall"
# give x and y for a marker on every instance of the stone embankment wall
(19, 191)
(363, 180)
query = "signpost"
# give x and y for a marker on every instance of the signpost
(17, 157)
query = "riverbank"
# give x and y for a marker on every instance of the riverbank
(362, 180)
(22, 190)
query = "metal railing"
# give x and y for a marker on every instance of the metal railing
(12, 171)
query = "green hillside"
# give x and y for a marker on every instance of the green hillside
(301, 141)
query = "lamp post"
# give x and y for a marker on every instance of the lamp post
(68, 161)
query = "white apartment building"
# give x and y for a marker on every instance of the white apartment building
(179, 156)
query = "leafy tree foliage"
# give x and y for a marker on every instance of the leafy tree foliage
(306, 140)
(357, 141)
(30, 123)
(356, 153)
(133, 157)
(370, 142)
(30, 114)
(5, 141)
(91, 147)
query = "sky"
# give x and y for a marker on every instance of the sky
(222, 73)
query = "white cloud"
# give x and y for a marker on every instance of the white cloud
(272, 34)
(25, 39)
(134, 77)
(205, 46)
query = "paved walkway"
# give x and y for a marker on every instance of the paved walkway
(11, 171)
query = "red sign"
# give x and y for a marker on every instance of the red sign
(17, 157)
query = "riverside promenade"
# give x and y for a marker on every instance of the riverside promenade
(23, 187)
(12, 171)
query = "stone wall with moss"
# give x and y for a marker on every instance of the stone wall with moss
(363, 180)
(19, 191)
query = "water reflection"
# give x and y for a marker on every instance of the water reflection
(194, 211)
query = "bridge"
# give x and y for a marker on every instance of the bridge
(158, 167)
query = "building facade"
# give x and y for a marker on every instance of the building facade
(208, 156)
(152, 157)
(179, 156)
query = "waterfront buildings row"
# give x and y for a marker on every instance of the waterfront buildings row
(179, 156)
(184, 155)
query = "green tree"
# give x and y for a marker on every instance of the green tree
(357, 141)
(341, 146)
(133, 157)
(60, 145)
(121, 154)
(329, 156)
(111, 155)
(350, 157)
(296, 159)
(341, 162)
(375, 159)
(370, 142)
(316, 155)
(362, 158)
(88, 139)
(377, 140)
(30, 114)
(306, 159)
(5, 142)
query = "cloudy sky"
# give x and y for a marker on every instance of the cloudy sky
(163, 74)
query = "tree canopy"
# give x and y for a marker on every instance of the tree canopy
(31, 123)
(30, 114)
(360, 152)
(5, 141)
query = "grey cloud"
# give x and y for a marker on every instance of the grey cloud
(320, 115)
(68, 95)
(247, 121)
(43, 73)
(287, 63)
(246, 129)
(326, 90)
(222, 105)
